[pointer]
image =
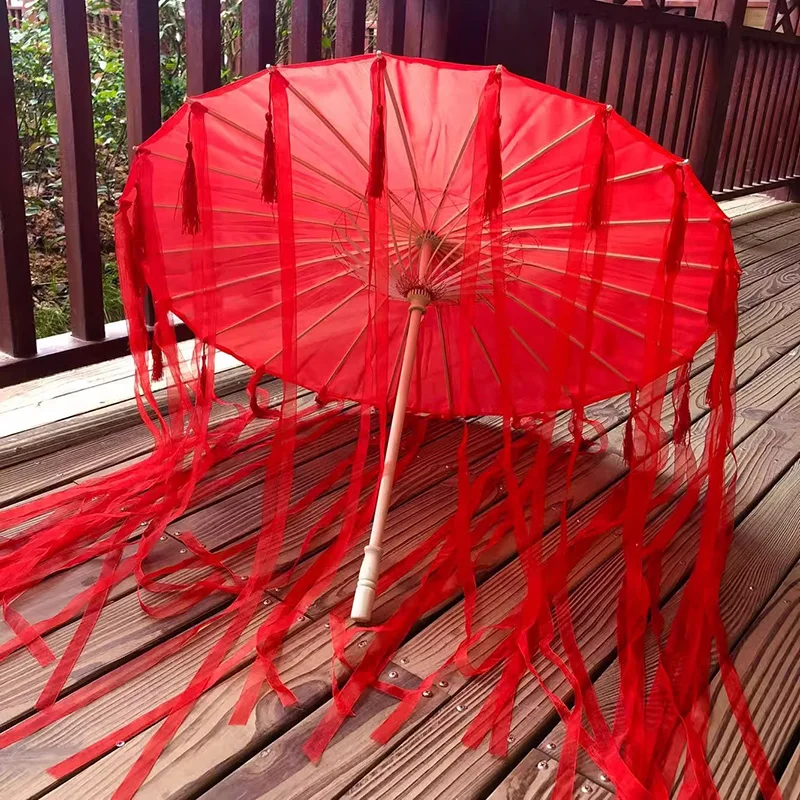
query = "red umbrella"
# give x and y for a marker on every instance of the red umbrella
(580, 197)
(449, 241)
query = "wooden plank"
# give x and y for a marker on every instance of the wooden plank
(70, 45)
(412, 43)
(197, 768)
(678, 90)
(519, 36)
(619, 64)
(762, 84)
(17, 331)
(391, 25)
(306, 33)
(758, 56)
(437, 25)
(790, 780)
(534, 778)
(733, 120)
(767, 661)
(633, 75)
(351, 26)
(467, 772)
(647, 90)
(780, 119)
(690, 90)
(203, 46)
(742, 100)
(259, 30)
(784, 154)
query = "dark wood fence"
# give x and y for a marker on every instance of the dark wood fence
(725, 96)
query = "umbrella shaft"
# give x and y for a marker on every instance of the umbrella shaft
(370, 566)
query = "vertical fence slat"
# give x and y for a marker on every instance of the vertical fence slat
(663, 88)
(598, 67)
(580, 52)
(203, 46)
(677, 91)
(306, 37)
(707, 110)
(415, 11)
(740, 93)
(17, 332)
(436, 29)
(618, 65)
(391, 25)
(258, 35)
(70, 46)
(730, 117)
(792, 121)
(630, 99)
(691, 83)
(351, 25)
(782, 79)
(768, 117)
(560, 49)
(652, 64)
(760, 117)
(758, 56)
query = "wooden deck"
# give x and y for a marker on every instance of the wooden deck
(62, 430)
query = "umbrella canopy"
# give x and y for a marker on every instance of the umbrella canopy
(553, 149)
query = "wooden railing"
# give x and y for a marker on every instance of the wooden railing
(706, 87)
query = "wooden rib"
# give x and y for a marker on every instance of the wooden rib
(242, 245)
(263, 311)
(330, 312)
(604, 283)
(347, 354)
(254, 276)
(332, 128)
(485, 352)
(580, 345)
(595, 313)
(610, 224)
(456, 165)
(547, 148)
(407, 145)
(531, 352)
(608, 254)
(394, 236)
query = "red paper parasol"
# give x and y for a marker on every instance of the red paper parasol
(450, 241)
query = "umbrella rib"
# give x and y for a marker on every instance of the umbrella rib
(608, 254)
(342, 139)
(598, 314)
(604, 283)
(531, 352)
(485, 352)
(407, 145)
(263, 311)
(240, 245)
(574, 341)
(610, 224)
(330, 312)
(547, 148)
(254, 276)
(347, 353)
(456, 165)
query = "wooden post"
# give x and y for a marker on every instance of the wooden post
(70, 46)
(351, 27)
(415, 12)
(306, 40)
(17, 331)
(258, 35)
(203, 46)
(718, 82)
(391, 25)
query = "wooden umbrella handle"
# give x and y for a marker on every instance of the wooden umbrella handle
(370, 566)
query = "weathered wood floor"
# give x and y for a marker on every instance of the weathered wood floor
(57, 431)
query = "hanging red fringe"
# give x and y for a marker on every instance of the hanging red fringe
(158, 361)
(377, 148)
(190, 207)
(677, 230)
(598, 205)
(269, 180)
(493, 193)
(680, 402)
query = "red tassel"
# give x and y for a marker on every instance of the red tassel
(493, 193)
(377, 156)
(189, 204)
(597, 206)
(158, 362)
(269, 174)
(677, 230)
